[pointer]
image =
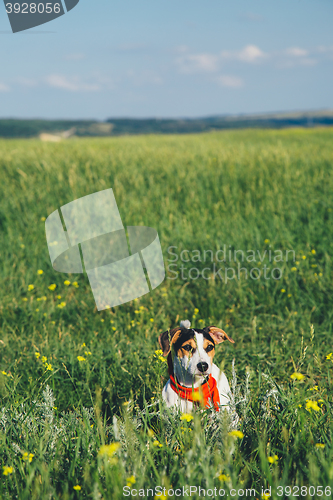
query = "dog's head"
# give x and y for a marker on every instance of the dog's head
(194, 351)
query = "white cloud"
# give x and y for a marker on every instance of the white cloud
(296, 52)
(198, 63)
(4, 87)
(73, 84)
(249, 54)
(322, 49)
(229, 81)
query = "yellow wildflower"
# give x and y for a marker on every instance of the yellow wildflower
(297, 376)
(44, 359)
(31, 287)
(77, 487)
(294, 269)
(273, 459)
(282, 290)
(320, 445)
(312, 405)
(197, 396)
(265, 496)
(329, 355)
(224, 477)
(87, 353)
(196, 310)
(81, 358)
(109, 449)
(61, 305)
(42, 219)
(28, 456)
(48, 367)
(266, 241)
(187, 417)
(303, 257)
(157, 444)
(75, 284)
(130, 480)
(52, 287)
(59, 297)
(237, 434)
(67, 283)
(37, 354)
(40, 271)
(151, 320)
(7, 470)
(24, 299)
(313, 251)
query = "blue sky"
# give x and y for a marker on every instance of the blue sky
(175, 58)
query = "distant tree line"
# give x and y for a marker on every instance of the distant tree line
(11, 128)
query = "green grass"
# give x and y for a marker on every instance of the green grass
(248, 190)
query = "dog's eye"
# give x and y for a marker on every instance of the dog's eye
(188, 347)
(209, 348)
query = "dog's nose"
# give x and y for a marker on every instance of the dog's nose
(202, 366)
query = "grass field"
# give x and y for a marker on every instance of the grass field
(80, 410)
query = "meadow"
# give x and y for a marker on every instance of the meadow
(80, 412)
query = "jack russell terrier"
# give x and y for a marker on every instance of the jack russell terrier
(194, 378)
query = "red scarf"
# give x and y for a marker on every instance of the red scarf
(206, 393)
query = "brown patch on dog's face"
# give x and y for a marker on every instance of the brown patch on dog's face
(187, 348)
(209, 347)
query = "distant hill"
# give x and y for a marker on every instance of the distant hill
(11, 128)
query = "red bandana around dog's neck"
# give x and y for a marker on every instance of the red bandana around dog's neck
(206, 393)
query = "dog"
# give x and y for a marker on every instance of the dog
(194, 379)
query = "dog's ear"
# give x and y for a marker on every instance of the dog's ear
(218, 335)
(166, 339)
